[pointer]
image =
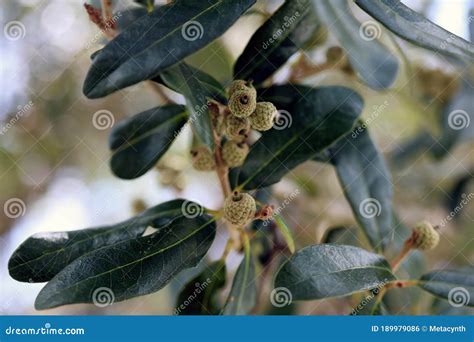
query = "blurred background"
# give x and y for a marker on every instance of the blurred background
(54, 172)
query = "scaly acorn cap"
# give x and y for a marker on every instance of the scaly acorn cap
(234, 153)
(242, 103)
(239, 85)
(263, 117)
(203, 159)
(425, 236)
(236, 128)
(239, 209)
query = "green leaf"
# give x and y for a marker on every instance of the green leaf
(455, 285)
(198, 297)
(158, 40)
(370, 306)
(291, 27)
(286, 232)
(197, 87)
(457, 120)
(415, 28)
(374, 62)
(323, 271)
(138, 142)
(44, 255)
(243, 294)
(314, 119)
(366, 183)
(131, 268)
(341, 236)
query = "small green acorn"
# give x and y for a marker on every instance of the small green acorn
(203, 159)
(238, 85)
(234, 153)
(239, 208)
(263, 117)
(242, 103)
(425, 236)
(236, 128)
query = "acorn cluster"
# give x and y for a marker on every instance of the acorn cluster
(242, 114)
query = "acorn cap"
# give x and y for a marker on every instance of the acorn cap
(425, 236)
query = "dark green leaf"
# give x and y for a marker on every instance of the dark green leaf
(421, 143)
(197, 87)
(366, 183)
(374, 62)
(314, 119)
(341, 236)
(131, 268)
(455, 285)
(457, 119)
(290, 28)
(130, 15)
(370, 306)
(198, 297)
(415, 28)
(158, 40)
(323, 271)
(243, 294)
(138, 142)
(44, 255)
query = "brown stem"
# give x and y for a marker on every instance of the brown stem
(407, 247)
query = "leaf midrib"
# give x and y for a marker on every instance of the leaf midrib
(111, 229)
(137, 260)
(159, 41)
(128, 143)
